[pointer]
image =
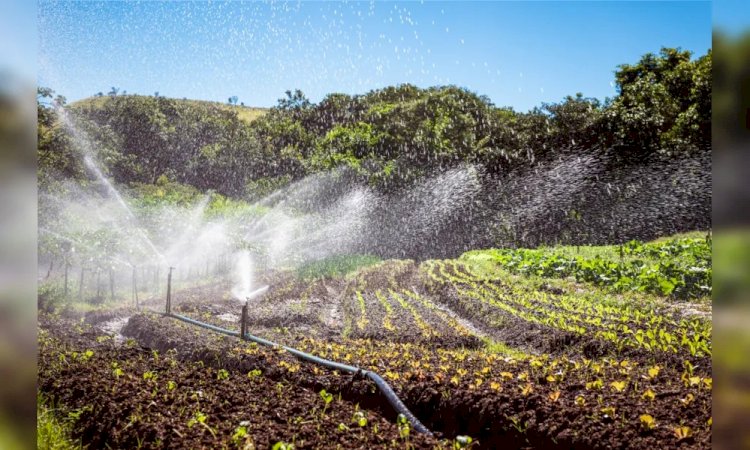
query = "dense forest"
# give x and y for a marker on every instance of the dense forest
(642, 157)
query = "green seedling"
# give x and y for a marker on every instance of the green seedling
(200, 419)
(327, 398)
(403, 426)
(462, 442)
(359, 418)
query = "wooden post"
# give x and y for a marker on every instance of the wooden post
(98, 283)
(111, 283)
(243, 322)
(135, 287)
(80, 285)
(169, 291)
(67, 265)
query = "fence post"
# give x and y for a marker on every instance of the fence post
(243, 322)
(169, 291)
(135, 288)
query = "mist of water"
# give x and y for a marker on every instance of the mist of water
(573, 198)
(243, 275)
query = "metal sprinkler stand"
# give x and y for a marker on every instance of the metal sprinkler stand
(169, 291)
(243, 321)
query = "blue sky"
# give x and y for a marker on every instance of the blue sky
(519, 54)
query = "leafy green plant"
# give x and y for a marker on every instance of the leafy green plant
(462, 442)
(327, 399)
(200, 419)
(359, 418)
(647, 422)
(117, 370)
(240, 435)
(403, 426)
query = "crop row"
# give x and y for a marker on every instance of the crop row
(683, 270)
(614, 396)
(578, 402)
(624, 327)
(402, 316)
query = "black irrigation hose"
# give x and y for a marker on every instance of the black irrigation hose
(384, 387)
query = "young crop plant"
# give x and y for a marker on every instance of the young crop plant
(327, 399)
(117, 370)
(388, 317)
(682, 433)
(403, 427)
(200, 419)
(363, 321)
(241, 438)
(647, 422)
(462, 442)
(424, 328)
(149, 376)
(360, 419)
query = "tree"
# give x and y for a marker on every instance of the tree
(574, 122)
(663, 103)
(294, 101)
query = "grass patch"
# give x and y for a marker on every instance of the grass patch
(500, 348)
(335, 266)
(612, 252)
(245, 113)
(51, 432)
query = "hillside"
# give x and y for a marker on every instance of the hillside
(436, 163)
(246, 113)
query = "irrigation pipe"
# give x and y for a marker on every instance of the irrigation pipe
(384, 387)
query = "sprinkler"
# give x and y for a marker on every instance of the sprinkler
(243, 319)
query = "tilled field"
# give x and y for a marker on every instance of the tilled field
(520, 362)
(132, 397)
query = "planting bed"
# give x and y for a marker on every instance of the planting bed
(128, 396)
(471, 348)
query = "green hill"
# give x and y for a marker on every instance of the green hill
(246, 113)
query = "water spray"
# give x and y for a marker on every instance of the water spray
(256, 293)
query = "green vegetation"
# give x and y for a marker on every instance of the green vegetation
(335, 266)
(248, 114)
(680, 268)
(388, 137)
(51, 432)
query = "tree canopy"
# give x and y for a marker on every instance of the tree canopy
(388, 137)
